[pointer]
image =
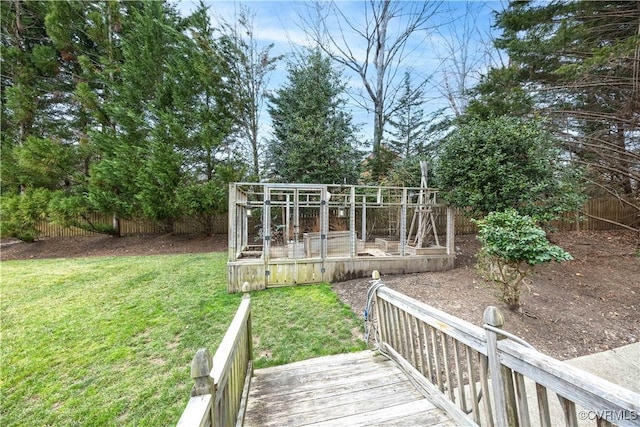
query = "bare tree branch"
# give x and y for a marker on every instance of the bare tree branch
(383, 47)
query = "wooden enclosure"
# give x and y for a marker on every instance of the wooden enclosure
(287, 234)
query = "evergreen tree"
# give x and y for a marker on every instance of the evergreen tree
(314, 139)
(126, 147)
(33, 95)
(87, 36)
(580, 62)
(171, 104)
(208, 92)
(498, 94)
(408, 122)
(38, 155)
(117, 107)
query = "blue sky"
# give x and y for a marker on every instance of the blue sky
(436, 54)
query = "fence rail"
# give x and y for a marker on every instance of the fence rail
(222, 381)
(608, 209)
(481, 379)
(129, 227)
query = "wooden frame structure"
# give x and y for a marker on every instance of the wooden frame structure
(287, 234)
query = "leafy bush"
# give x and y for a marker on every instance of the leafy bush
(512, 244)
(19, 213)
(507, 162)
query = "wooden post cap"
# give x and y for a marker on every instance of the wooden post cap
(200, 368)
(493, 317)
(201, 364)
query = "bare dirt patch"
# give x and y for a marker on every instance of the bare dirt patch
(574, 308)
(72, 247)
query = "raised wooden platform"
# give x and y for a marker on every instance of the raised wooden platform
(351, 389)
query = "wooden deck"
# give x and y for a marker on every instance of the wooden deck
(352, 389)
(470, 375)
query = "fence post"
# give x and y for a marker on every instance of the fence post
(200, 369)
(501, 376)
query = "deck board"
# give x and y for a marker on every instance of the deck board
(343, 390)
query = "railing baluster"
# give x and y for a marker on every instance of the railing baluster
(436, 358)
(411, 341)
(543, 406)
(447, 368)
(388, 324)
(523, 405)
(397, 331)
(569, 409)
(379, 316)
(428, 348)
(462, 402)
(486, 396)
(420, 346)
(405, 335)
(408, 336)
(473, 392)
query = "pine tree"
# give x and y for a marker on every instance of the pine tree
(34, 99)
(116, 107)
(38, 153)
(208, 92)
(123, 88)
(169, 103)
(314, 139)
(580, 62)
(408, 122)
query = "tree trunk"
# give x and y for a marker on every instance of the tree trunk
(378, 124)
(116, 226)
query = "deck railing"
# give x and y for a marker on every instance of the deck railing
(479, 378)
(219, 395)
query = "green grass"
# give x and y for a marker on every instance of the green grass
(109, 341)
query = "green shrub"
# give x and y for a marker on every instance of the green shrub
(504, 163)
(19, 213)
(512, 244)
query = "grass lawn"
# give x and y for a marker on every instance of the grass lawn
(109, 341)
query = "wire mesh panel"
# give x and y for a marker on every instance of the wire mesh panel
(333, 232)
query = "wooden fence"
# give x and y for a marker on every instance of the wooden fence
(481, 379)
(222, 381)
(128, 227)
(609, 209)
